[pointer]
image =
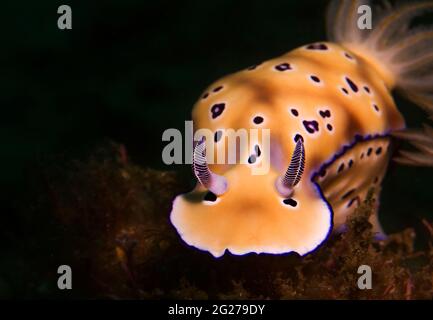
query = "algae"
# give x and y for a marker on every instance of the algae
(115, 225)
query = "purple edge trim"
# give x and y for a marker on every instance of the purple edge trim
(358, 138)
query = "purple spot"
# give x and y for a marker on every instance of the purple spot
(217, 109)
(315, 79)
(325, 114)
(258, 120)
(311, 126)
(347, 194)
(252, 159)
(253, 67)
(348, 56)
(379, 151)
(345, 90)
(367, 89)
(295, 112)
(376, 107)
(257, 150)
(329, 127)
(283, 67)
(218, 89)
(350, 163)
(205, 95)
(317, 46)
(210, 197)
(352, 85)
(352, 201)
(217, 136)
(369, 151)
(340, 168)
(291, 202)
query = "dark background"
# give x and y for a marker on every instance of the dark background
(127, 71)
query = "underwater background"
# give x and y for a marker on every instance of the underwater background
(78, 105)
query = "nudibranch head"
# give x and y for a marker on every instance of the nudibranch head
(252, 212)
(252, 219)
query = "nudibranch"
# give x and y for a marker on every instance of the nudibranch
(330, 112)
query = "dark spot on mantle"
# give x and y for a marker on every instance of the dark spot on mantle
(379, 151)
(217, 136)
(317, 46)
(283, 67)
(315, 79)
(257, 150)
(352, 85)
(347, 194)
(291, 202)
(325, 114)
(311, 126)
(253, 67)
(218, 89)
(258, 120)
(217, 109)
(348, 56)
(210, 197)
(352, 201)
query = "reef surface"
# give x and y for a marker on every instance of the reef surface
(109, 219)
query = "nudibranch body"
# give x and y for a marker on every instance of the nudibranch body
(329, 110)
